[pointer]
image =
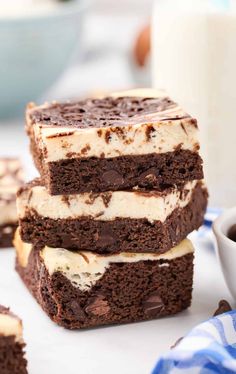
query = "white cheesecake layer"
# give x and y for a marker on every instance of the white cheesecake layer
(167, 134)
(154, 206)
(84, 268)
(10, 326)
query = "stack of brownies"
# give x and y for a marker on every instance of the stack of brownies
(102, 236)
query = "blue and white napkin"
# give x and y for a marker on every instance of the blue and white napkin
(209, 348)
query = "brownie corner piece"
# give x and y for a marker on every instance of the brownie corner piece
(11, 178)
(114, 143)
(81, 289)
(12, 354)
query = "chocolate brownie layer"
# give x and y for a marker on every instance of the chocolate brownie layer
(114, 143)
(119, 234)
(153, 171)
(124, 292)
(12, 360)
(7, 232)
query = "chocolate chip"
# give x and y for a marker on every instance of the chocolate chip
(76, 310)
(149, 175)
(98, 306)
(149, 130)
(105, 237)
(153, 305)
(223, 307)
(112, 178)
(107, 136)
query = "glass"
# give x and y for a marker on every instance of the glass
(194, 60)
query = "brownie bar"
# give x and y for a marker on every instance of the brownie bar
(124, 290)
(114, 143)
(12, 360)
(11, 178)
(153, 171)
(118, 234)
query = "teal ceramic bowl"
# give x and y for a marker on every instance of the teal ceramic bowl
(34, 52)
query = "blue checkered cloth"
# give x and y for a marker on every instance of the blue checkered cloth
(209, 348)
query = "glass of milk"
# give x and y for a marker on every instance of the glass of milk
(194, 60)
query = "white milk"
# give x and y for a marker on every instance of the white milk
(194, 60)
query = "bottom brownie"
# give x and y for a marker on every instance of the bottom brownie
(82, 289)
(12, 360)
(7, 232)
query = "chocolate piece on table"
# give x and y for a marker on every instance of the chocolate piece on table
(118, 221)
(223, 307)
(132, 138)
(83, 289)
(12, 360)
(11, 178)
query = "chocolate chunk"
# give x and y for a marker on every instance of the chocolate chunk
(223, 307)
(153, 305)
(107, 136)
(98, 306)
(149, 175)
(105, 238)
(76, 310)
(149, 130)
(112, 178)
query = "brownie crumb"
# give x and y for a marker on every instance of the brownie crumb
(223, 307)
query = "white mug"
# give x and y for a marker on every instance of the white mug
(226, 248)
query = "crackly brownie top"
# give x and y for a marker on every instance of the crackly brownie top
(106, 111)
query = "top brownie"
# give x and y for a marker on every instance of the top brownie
(135, 138)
